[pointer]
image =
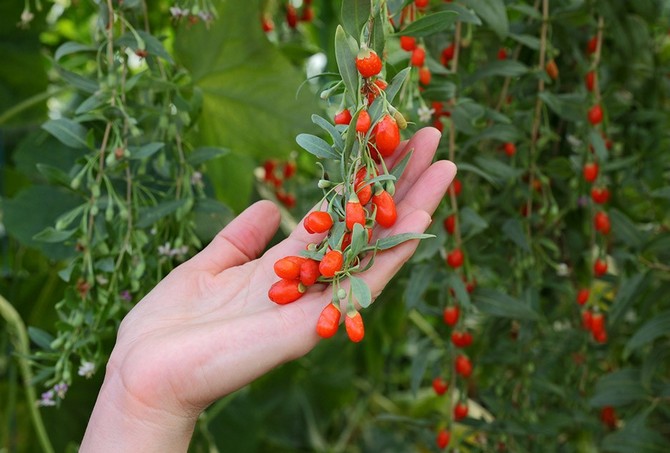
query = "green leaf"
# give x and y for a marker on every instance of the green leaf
(361, 291)
(205, 154)
(504, 68)
(355, 13)
(378, 36)
(625, 230)
(399, 168)
(663, 192)
(78, 81)
(144, 151)
(317, 146)
(50, 234)
(54, 175)
(420, 279)
(359, 239)
(464, 166)
(68, 132)
(596, 140)
(70, 48)
(628, 293)
(332, 131)
(499, 304)
(498, 169)
(149, 43)
(396, 84)
(492, 12)
(430, 24)
(471, 222)
(149, 216)
(513, 230)
(656, 327)
(498, 132)
(397, 239)
(618, 388)
(569, 106)
(456, 284)
(345, 55)
(530, 41)
(40, 337)
(463, 14)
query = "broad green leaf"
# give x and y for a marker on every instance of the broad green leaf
(205, 154)
(317, 146)
(656, 327)
(530, 41)
(463, 14)
(504, 68)
(569, 106)
(492, 12)
(596, 140)
(396, 84)
(361, 291)
(355, 13)
(250, 98)
(144, 151)
(49, 234)
(627, 294)
(430, 24)
(625, 230)
(332, 131)
(70, 48)
(397, 239)
(513, 229)
(345, 56)
(149, 216)
(420, 279)
(496, 303)
(618, 388)
(67, 132)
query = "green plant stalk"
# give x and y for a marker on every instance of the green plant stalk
(20, 339)
(30, 102)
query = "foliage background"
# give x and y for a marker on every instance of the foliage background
(376, 396)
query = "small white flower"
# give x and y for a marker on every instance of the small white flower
(60, 389)
(425, 113)
(47, 399)
(86, 369)
(196, 178)
(574, 141)
(562, 270)
(177, 12)
(165, 250)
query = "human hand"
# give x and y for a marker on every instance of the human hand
(209, 328)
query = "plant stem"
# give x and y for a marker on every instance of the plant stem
(30, 102)
(20, 339)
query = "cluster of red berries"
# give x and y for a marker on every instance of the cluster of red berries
(291, 15)
(275, 174)
(351, 209)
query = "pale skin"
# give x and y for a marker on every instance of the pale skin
(209, 328)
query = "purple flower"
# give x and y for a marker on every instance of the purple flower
(125, 295)
(60, 389)
(47, 399)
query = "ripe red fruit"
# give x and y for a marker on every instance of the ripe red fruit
(424, 75)
(587, 319)
(329, 321)
(590, 171)
(289, 267)
(456, 186)
(463, 366)
(592, 45)
(368, 63)
(363, 122)
(309, 272)
(509, 148)
(600, 336)
(448, 54)
(363, 190)
(291, 16)
(386, 211)
(318, 222)
(595, 115)
(287, 199)
(599, 267)
(408, 43)
(387, 136)
(583, 296)
(600, 195)
(460, 411)
(455, 258)
(502, 53)
(267, 24)
(418, 57)
(307, 14)
(451, 315)
(421, 3)
(354, 325)
(590, 80)
(285, 291)
(354, 213)
(552, 69)
(440, 385)
(443, 438)
(608, 417)
(372, 90)
(597, 323)
(343, 117)
(450, 224)
(331, 263)
(602, 223)
(289, 170)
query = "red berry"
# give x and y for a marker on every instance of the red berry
(291, 16)
(287, 199)
(343, 117)
(463, 366)
(424, 75)
(408, 43)
(387, 136)
(552, 69)
(599, 267)
(590, 171)
(421, 3)
(448, 54)
(592, 45)
(587, 319)
(600, 336)
(285, 291)
(354, 213)
(418, 57)
(600, 195)
(372, 90)
(440, 385)
(460, 411)
(509, 148)
(363, 190)
(450, 224)
(595, 115)
(451, 315)
(443, 438)
(597, 323)
(307, 14)
(502, 53)
(456, 186)
(455, 258)
(331, 263)
(368, 63)
(583, 296)
(267, 24)
(608, 417)
(318, 222)
(386, 211)
(602, 222)
(329, 321)
(363, 122)
(590, 80)
(354, 325)
(309, 272)
(288, 267)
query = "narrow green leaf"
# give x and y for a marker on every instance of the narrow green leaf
(430, 24)
(471, 222)
(336, 232)
(392, 241)
(396, 84)
(399, 168)
(317, 146)
(40, 337)
(418, 283)
(498, 169)
(625, 230)
(50, 234)
(346, 63)
(70, 48)
(204, 154)
(361, 291)
(456, 284)
(505, 68)
(492, 12)
(78, 81)
(530, 41)
(463, 14)
(499, 304)
(440, 89)
(91, 103)
(569, 106)
(330, 128)
(464, 166)
(598, 144)
(359, 239)
(627, 294)
(144, 151)
(355, 13)
(656, 327)
(513, 230)
(378, 35)
(149, 43)
(663, 192)
(54, 174)
(618, 388)
(68, 132)
(149, 216)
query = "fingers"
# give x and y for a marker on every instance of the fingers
(240, 241)
(423, 146)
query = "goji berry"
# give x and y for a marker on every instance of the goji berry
(460, 411)
(463, 366)
(599, 267)
(354, 213)
(583, 296)
(590, 171)
(455, 258)
(307, 14)
(552, 69)
(595, 114)
(443, 438)
(502, 54)
(456, 187)
(590, 80)
(451, 315)
(448, 54)
(363, 190)
(608, 417)
(285, 291)
(343, 117)
(309, 272)
(424, 75)
(387, 136)
(450, 223)
(592, 45)
(421, 3)
(600, 195)
(368, 63)
(363, 122)
(331, 263)
(386, 211)
(318, 222)
(291, 16)
(418, 57)
(329, 321)
(440, 385)
(407, 43)
(509, 148)
(353, 323)
(602, 222)
(587, 319)
(288, 267)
